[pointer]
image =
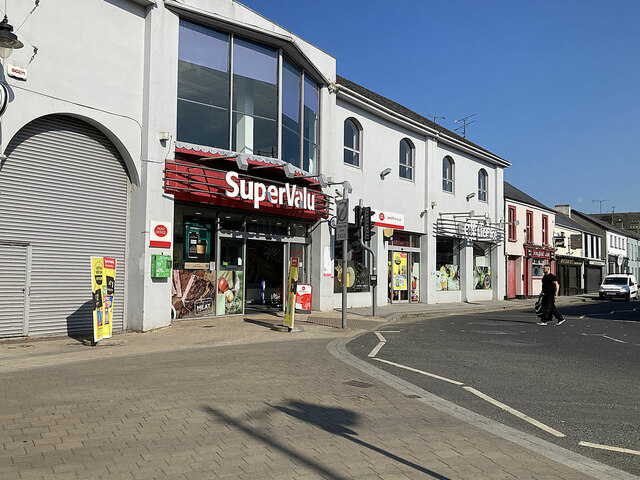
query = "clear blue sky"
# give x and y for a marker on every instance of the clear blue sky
(554, 84)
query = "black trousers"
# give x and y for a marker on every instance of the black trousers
(551, 311)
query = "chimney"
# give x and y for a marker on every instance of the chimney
(564, 209)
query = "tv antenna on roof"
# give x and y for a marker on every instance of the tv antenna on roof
(435, 117)
(600, 202)
(465, 122)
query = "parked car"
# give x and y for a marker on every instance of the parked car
(619, 285)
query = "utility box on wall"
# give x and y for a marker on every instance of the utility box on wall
(160, 266)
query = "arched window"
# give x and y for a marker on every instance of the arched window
(406, 159)
(352, 141)
(482, 185)
(447, 174)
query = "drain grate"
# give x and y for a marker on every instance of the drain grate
(358, 383)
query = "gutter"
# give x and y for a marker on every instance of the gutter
(348, 94)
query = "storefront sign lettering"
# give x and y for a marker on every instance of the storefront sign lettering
(290, 195)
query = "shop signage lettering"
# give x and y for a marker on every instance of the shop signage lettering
(257, 192)
(540, 254)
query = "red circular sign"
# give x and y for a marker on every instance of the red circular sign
(160, 230)
(381, 216)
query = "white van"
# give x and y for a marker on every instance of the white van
(619, 285)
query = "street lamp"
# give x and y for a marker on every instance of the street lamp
(8, 40)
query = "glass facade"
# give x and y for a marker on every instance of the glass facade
(229, 95)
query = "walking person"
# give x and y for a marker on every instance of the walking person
(550, 289)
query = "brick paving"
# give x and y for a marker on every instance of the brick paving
(266, 410)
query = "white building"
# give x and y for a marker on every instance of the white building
(201, 122)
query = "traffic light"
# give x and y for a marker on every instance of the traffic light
(358, 212)
(368, 227)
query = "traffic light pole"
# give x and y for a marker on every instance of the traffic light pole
(375, 270)
(345, 195)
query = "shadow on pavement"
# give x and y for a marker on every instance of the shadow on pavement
(336, 421)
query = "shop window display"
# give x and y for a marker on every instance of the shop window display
(481, 266)
(447, 263)
(357, 266)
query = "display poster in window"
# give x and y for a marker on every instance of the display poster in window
(229, 297)
(482, 278)
(292, 282)
(197, 245)
(448, 277)
(193, 293)
(415, 282)
(103, 281)
(399, 270)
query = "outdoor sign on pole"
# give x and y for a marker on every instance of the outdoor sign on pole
(342, 211)
(342, 232)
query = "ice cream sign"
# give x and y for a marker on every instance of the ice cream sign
(256, 192)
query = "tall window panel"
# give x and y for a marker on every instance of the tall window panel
(482, 185)
(406, 159)
(255, 98)
(203, 86)
(351, 142)
(311, 126)
(447, 174)
(291, 96)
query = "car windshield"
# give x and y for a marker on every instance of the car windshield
(615, 281)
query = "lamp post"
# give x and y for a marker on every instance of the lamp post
(346, 190)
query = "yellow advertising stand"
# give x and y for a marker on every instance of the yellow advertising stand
(103, 280)
(290, 307)
(399, 271)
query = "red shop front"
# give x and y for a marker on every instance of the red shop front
(535, 257)
(237, 223)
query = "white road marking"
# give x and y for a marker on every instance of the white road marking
(614, 339)
(390, 331)
(380, 344)
(420, 371)
(515, 412)
(607, 447)
(582, 316)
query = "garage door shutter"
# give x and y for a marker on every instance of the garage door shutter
(594, 279)
(64, 190)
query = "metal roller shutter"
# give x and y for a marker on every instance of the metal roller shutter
(594, 279)
(13, 289)
(64, 191)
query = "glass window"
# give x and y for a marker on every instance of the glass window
(447, 263)
(536, 269)
(311, 126)
(447, 174)
(512, 224)
(351, 143)
(529, 227)
(357, 265)
(482, 185)
(291, 77)
(203, 86)
(255, 98)
(406, 160)
(481, 266)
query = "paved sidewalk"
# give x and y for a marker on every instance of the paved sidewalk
(230, 398)
(281, 410)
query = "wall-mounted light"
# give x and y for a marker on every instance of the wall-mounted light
(164, 136)
(471, 195)
(384, 173)
(8, 40)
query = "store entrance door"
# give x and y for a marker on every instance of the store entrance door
(264, 275)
